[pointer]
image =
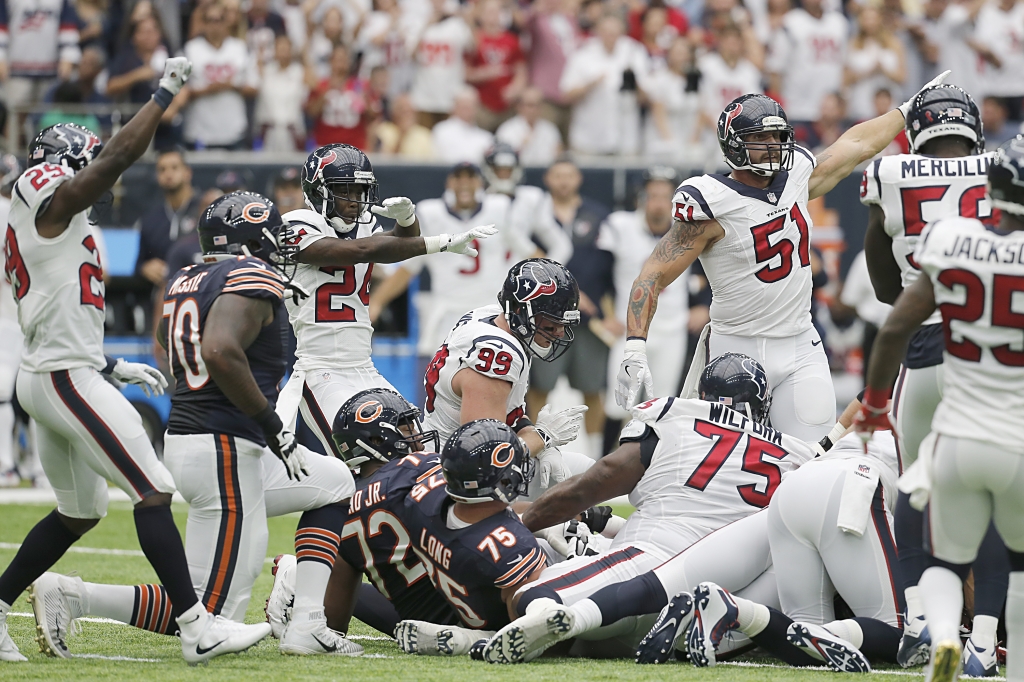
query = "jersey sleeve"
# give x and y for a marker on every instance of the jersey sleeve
(689, 204)
(254, 279)
(518, 560)
(804, 164)
(930, 247)
(304, 228)
(871, 184)
(36, 185)
(495, 357)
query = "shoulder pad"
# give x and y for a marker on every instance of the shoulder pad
(496, 356)
(38, 183)
(690, 203)
(254, 278)
(525, 557)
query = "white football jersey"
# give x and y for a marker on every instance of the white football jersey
(720, 84)
(332, 326)
(761, 270)
(914, 190)
(457, 282)
(475, 342)
(978, 278)
(712, 466)
(8, 305)
(57, 282)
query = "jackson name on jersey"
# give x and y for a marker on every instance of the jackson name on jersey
(760, 271)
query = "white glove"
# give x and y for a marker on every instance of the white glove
(555, 537)
(461, 243)
(550, 468)
(634, 383)
(938, 80)
(149, 378)
(284, 446)
(399, 209)
(581, 541)
(176, 73)
(559, 428)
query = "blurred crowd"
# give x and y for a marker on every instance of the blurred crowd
(439, 80)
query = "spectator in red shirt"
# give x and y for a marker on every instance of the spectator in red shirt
(657, 26)
(338, 105)
(496, 66)
(553, 32)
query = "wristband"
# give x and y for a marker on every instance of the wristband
(435, 244)
(636, 344)
(111, 362)
(268, 420)
(875, 399)
(837, 432)
(163, 97)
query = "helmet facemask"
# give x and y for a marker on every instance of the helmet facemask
(523, 323)
(783, 149)
(516, 481)
(336, 191)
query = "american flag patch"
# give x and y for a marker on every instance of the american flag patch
(725, 400)
(220, 240)
(955, 111)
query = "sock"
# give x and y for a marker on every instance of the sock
(752, 617)
(943, 599)
(847, 629)
(375, 610)
(43, 546)
(991, 575)
(1015, 627)
(146, 607)
(316, 548)
(914, 607)
(983, 632)
(635, 597)
(161, 543)
(588, 617)
(773, 639)
(879, 641)
(908, 524)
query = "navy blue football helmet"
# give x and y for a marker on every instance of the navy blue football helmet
(944, 110)
(739, 382)
(541, 288)
(485, 460)
(339, 171)
(379, 424)
(247, 224)
(1006, 177)
(65, 144)
(754, 114)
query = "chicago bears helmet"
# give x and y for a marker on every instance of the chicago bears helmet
(749, 114)
(247, 224)
(331, 173)
(485, 460)
(740, 382)
(379, 424)
(944, 110)
(500, 156)
(65, 144)
(541, 288)
(1006, 177)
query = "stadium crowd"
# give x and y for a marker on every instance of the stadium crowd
(442, 80)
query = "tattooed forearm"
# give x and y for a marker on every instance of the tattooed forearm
(643, 301)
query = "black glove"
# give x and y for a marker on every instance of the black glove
(596, 518)
(282, 443)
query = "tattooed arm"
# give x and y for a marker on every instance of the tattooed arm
(674, 253)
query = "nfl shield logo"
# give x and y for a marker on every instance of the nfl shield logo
(772, 198)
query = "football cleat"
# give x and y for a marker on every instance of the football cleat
(979, 662)
(915, 644)
(818, 643)
(428, 639)
(714, 615)
(945, 663)
(674, 620)
(8, 649)
(310, 636)
(546, 623)
(476, 652)
(282, 595)
(205, 636)
(56, 603)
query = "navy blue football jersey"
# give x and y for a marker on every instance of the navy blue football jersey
(470, 566)
(198, 405)
(375, 539)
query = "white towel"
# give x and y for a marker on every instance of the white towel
(917, 480)
(700, 361)
(288, 401)
(858, 491)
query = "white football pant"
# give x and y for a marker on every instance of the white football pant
(915, 398)
(666, 353)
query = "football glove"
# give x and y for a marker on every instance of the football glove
(176, 73)
(597, 518)
(399, 209)
(282, 443)
(550, 468)
(634, 383)
(461, 243)
(559, 428)
(938, 80)
(150, 379)
(580, 541)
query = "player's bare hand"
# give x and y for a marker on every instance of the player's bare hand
(550, 468)
(150, 379)
(634, 383)
(176, 73)
(559, 428)
(399, 209)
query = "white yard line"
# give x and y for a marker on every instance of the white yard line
(102, 550)
(120, 658)
(84, 619)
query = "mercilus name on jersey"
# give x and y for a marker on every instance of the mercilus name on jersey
(985, 250)
(726, 417)
(945, 168)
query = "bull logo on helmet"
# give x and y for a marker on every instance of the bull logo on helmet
(528, 289)
(731, 112)
(502, 455)
(369, 411)
(317, 164)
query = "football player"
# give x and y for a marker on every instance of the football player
(338, 240)
(752, 232)
(10, 331)
(969, 468)
(482, 369)
(690, 468)
(944, 175)
(86, 430)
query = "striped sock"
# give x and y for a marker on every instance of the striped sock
(152, 610)
(316, 548)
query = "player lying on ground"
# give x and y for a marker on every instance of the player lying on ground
(969, 470)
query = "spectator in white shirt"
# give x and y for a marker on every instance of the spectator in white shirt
(458, 138)
(330, 31)
(999, 39)
(601, 81)
(535, 139)
(440, 64)
(725, 75)
(875, 60)
(221, 80)
(279, 107)
(670, 131)
(386, 38)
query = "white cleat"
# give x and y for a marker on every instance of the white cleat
(714, 616)
(818, 643)
(427, 639)
(310, 636)
(546, 622)
(205, 636)
(979, 662)
(8, 649)
(56, 603)
(282, 595)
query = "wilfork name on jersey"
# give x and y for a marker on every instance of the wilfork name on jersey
(734, 419)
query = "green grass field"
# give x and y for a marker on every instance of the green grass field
(142, 654)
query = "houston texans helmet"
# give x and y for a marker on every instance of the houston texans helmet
(502, 156)
(339, 172)
(1006, 177)
(739, 382)
(379, 424)
(485, 460)
(541, 288)
(748, 114)
(65, 144)
(247, 224)
(944, 110)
